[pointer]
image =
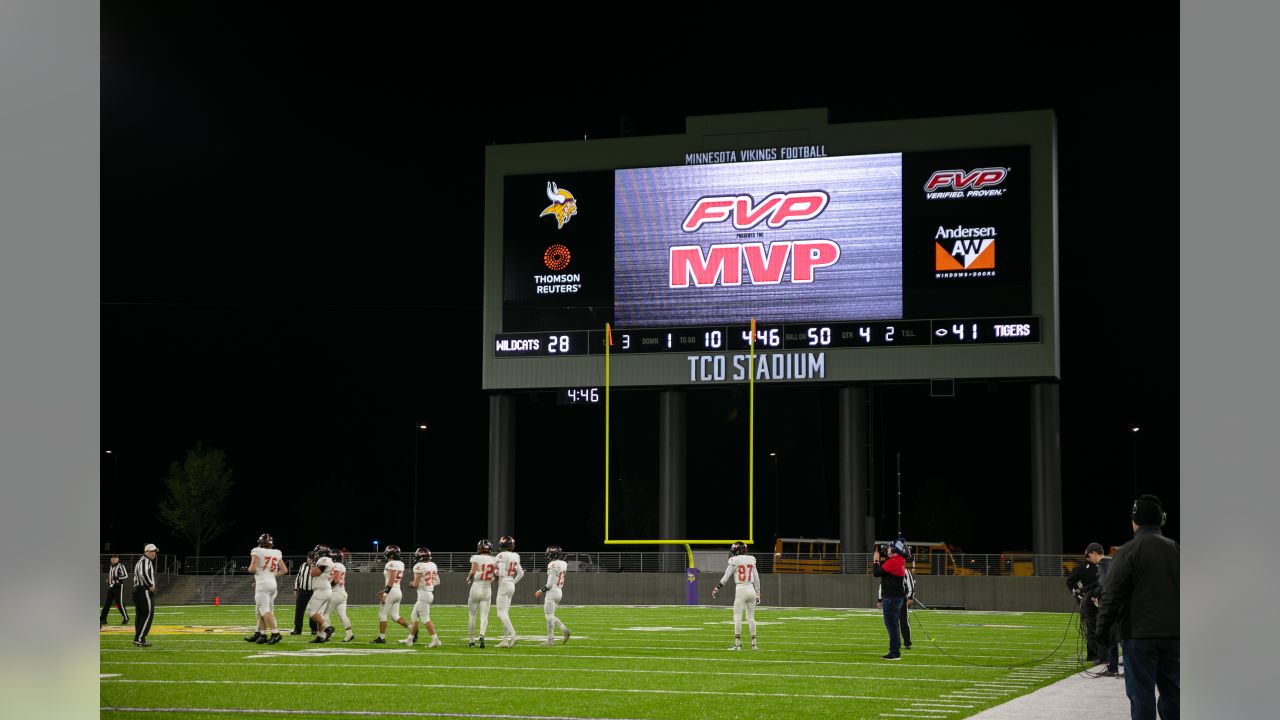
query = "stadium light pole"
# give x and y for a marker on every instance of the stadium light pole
(776, 494)
(111, 524)
(1133, 431)
(418, 430)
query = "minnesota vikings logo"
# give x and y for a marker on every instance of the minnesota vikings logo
(563, 206)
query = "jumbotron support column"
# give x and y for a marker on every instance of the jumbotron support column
(853, 469)
(1046, 474)
(502, 465)
(672, 485)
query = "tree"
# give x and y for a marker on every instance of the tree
(197, 493)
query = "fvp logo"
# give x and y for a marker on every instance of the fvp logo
(563, 205)
(776, 210)
(981, 182)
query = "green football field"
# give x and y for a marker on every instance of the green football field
(622, 662)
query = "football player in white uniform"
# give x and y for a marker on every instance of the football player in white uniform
(742, 568)
(390, 595)
(509, 573)
(483, 569)
(322, 592)
(554, 589)
(338, 601)
(425, 578)
(265, 564)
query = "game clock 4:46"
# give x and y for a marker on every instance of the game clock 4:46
(579, 396)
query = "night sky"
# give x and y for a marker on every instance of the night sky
(291, 272)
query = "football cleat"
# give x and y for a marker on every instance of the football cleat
(435, 643)
(264, 540)
(506, 542)
(504, 644)
(754, 646)
(328, 633)
(422, 555)
(392, 552)
(254, 637)
(567, 633)
(275, 638)
(548, 643)
(141, 643)
(554, 552)
(379, 641)
(484, 547)
(263, 640)
(471, 643)
(738, 548)
(481, 642)
(349, 636)
(316, 640)
(736, 647)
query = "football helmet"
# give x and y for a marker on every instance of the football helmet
(738, 548)
(484, 546)
(335, 554)
(264, 540)
(422, 555)
(506, 542)
(391, 552)
(318, 551)
(554, 552)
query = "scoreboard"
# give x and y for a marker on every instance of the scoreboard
(899, 250)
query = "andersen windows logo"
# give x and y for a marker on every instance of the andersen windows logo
(964, 251)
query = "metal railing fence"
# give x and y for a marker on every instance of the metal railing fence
(962, 564)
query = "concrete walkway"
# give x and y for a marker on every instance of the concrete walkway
(1076, 697)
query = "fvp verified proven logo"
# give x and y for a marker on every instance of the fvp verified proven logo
(962, 251)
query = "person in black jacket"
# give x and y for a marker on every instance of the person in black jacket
(893, 593)
(1109, 653)
(1083, 582)
(1141, 596)
(904, 618)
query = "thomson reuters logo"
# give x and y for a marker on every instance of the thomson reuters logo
(981, 182)
(556, 257)
(563, 205)
(964, 251)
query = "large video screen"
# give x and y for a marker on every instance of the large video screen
(902, 247)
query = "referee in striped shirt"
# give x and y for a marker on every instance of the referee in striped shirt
(301, 596)
(115, 592)
(144, 590)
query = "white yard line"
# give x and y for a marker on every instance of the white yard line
(508, 688)
(517, 668)
(356, 713)
(737, 658)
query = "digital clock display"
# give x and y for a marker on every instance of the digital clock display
(579, 396)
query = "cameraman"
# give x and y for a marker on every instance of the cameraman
(1108, 652)
(904, 619)
(893, 593)
(1083, 584)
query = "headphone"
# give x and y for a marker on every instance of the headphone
(1133, 514)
